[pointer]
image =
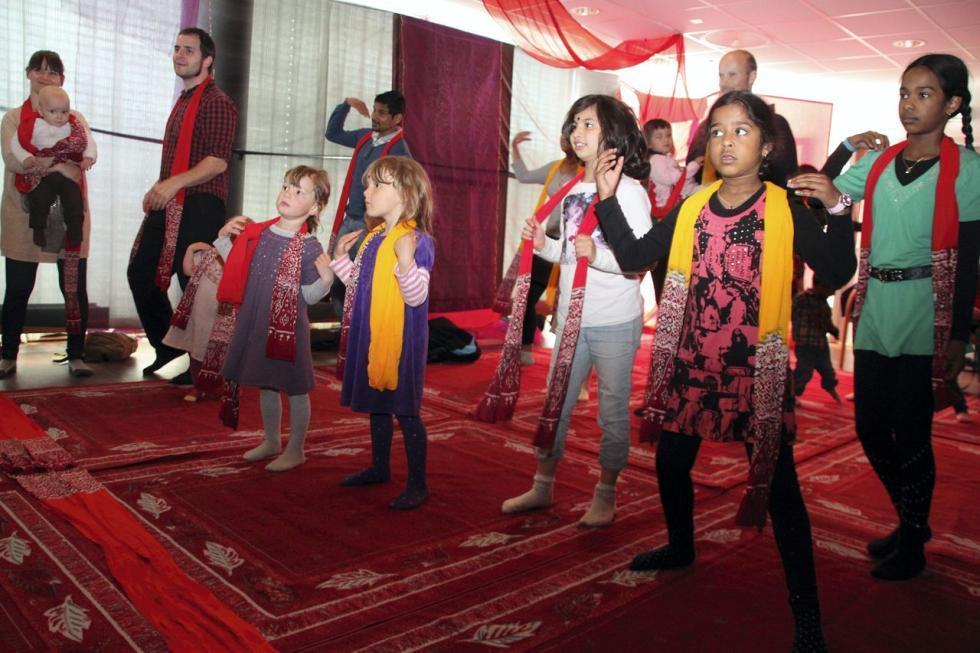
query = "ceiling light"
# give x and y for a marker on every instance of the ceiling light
(909, 43)
(584, 11)
(696, 21)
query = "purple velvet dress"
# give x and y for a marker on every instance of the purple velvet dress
(246, 362)
(406, 399)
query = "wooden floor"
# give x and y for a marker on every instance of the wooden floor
(36, 367)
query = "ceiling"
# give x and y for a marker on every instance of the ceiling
(802, 36)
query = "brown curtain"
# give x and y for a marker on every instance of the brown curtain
(457, 121)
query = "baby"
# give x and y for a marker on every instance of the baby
(57, 137)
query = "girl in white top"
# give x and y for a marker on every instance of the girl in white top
(612, 309)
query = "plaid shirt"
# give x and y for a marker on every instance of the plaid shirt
(812, 320)
(214, 133)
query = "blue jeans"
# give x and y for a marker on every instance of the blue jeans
(611, 350)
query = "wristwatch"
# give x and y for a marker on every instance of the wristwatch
(843, 203)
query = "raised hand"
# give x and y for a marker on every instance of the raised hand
(358, 105)
(869, 140)
(234, 226)
(608, 168)
(816, 185)
(86, 163)
(322, 264)
(585, 246)
(345, 242)
(405, 250)
(519, 138)
(534, 232)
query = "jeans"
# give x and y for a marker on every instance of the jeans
(611, 350)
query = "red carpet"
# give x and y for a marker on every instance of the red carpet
(316, 567)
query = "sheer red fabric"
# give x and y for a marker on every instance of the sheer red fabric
(546, 31)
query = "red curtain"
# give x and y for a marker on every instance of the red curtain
(546, 31)
(457, 98)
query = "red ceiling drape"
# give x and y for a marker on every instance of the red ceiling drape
(546, 31)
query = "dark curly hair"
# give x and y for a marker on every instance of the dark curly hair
(620, 131)
(954, 80)
(759, 115)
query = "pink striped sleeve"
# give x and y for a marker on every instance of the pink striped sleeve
(342, 267)
(414, 284)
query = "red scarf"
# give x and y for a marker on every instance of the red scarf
(345, 194)
(501, 397)
(658, 212)
(281, 339)
(175, 207)
(945, 244)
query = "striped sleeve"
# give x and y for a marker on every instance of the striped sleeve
(342, 267)
(414, 284)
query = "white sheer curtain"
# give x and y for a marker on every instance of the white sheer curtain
(118, 74)
(540, 98)
(307, 56)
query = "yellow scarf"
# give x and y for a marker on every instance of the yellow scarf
(387, 309)
(775, 303)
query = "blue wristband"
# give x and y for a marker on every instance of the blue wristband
(846, 143)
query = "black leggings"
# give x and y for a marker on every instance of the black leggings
(40, 199)
(20, 278)
(540, 273)
(790, 523)
(893, 404)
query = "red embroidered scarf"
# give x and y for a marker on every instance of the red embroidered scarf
(175, 207)
(345, 193)
(500, 398)
(945, 243)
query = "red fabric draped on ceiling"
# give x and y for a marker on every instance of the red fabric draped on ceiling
(546, 31)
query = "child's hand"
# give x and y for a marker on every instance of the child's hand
(608, 167)
(535, 232)
(405, 250)
(345, 242)
(585, 246)
(814, 184)
(87, 163)
(29, 163)
(42, 163)
(322, 264)
(234, 226)
(869, 140)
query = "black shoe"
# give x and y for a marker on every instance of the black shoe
(665, 557)
(410, 499)
(908, 558)
(368, 476)
(164, 356)
(884, 546)
(184, 378)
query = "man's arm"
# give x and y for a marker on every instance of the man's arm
(218, 121)
(335, 127)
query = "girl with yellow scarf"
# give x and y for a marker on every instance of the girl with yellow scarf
(719, 365)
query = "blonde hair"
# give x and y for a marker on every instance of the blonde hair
(49, 94)
(410, 180)
(321, 189)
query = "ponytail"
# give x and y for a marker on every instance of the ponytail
(965, 112)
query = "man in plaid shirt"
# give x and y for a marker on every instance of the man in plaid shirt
(811, 324)
(206, 184)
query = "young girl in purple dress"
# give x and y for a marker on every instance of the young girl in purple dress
(385, 335)
(272, 272)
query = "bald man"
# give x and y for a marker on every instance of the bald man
(736, 72)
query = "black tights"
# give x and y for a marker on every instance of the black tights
(382, 430)
(893, 404)
(790, 523)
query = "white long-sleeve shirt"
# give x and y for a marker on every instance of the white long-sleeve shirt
(45, 135)
(610, 296)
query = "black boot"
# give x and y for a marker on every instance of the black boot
(807, 632)
(908, 559)
(379, 471)
(884, 546)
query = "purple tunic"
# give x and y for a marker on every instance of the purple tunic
(246, 362)
(406, 399)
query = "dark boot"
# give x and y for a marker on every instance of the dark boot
(378, 472)
(908, 558)
(807, 631)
